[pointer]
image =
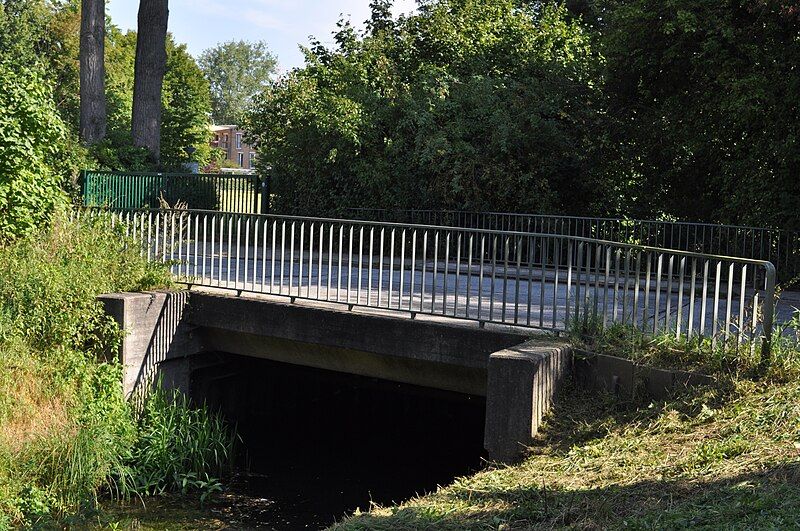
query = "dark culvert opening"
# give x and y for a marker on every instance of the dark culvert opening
(318, 444)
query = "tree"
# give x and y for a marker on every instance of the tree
(149, 69)
(33, 136)
(704, 104)
(92, 73)
(237, 71)
(186, 104)
(185, 107)
(41, 37)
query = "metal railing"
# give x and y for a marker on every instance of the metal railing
(781, 247)
(539, 280)
(223, 192)
(249, 194)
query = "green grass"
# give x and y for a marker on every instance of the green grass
(709, 355)
(725, 457)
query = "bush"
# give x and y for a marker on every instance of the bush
(34, 138)
(465, 105)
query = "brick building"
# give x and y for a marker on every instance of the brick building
(229, 138)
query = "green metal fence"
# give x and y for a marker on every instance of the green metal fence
(205, 191)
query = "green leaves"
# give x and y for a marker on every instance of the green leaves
(32, 135)
(237, 71)
(468, 105)
(701, 95)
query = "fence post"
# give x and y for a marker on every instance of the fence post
(82, 186)
(769, 314)
(265, 190)
(255, 184)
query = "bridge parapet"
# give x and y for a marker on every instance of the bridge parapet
(530, 280)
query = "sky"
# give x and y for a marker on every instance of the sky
(282, 24)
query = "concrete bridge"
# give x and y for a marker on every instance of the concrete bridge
(173, 335)
(454, 308)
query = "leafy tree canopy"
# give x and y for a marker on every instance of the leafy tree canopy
(186, 106)
(467, 104)
(236, 71)
(703, 101)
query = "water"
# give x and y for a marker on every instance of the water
(317, 445)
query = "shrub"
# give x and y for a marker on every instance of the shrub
(65, 427)
(34, 138)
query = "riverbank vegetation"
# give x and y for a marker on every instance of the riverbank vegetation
(706, 354)
(67, 434)
(722, 456)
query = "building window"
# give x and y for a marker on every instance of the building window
(241, 160)
(252, 160)
(238, 140)
(225, 140)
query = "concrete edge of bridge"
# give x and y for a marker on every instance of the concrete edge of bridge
(522, 383)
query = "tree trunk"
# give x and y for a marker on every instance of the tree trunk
(151, 63)
(93, 71)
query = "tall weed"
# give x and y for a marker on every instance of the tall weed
(178, 448)
(65, 427)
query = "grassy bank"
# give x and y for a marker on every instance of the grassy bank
(723, 457)
(726, 456)
(66, 432)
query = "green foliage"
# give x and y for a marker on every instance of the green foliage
(185, 108)
(66, 430)
(120, 57)
(702, 109)
(39, 40)
(179, 448)
(186, 105)
(65, 426)
(475, 105)
(47, 35)
(236, 71)
(33, 135)
(48, 300)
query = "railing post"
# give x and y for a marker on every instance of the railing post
(83, 185)
(769, 314)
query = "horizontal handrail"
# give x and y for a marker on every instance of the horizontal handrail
(677, 252)
(499, 213)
